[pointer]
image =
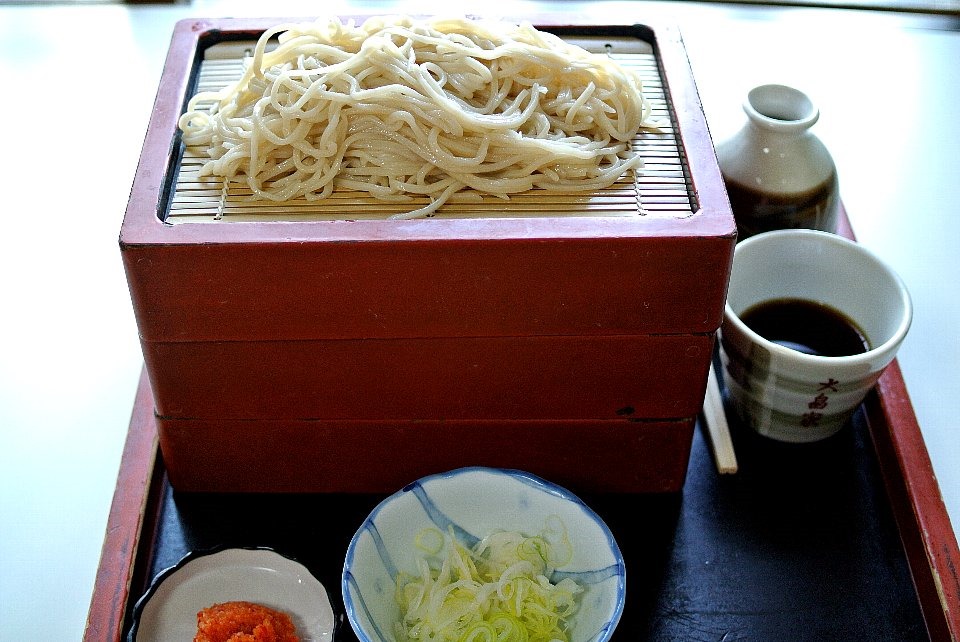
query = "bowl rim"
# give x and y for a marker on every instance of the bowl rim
(823, 241)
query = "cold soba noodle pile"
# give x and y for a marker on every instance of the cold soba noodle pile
(398, 108)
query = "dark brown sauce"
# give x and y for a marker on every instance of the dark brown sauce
(806, 326)
(756, 211)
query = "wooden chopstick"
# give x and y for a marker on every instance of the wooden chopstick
(719, 430)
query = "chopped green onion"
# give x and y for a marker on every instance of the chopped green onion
(498, 591)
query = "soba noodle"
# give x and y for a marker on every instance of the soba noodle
(399, 108)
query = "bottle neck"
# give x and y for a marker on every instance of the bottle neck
(778, 109)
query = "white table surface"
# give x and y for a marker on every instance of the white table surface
(76, 89)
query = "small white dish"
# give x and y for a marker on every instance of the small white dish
(168, 610)
(475, 502)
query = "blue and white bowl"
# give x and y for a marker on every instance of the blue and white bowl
(475, 502)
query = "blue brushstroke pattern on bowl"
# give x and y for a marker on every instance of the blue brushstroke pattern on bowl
(474, 502)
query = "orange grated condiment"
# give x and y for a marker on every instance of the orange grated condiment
(244, 622)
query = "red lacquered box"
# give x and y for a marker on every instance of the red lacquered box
(316, 347)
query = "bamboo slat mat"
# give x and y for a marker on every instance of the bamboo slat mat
(661, 188)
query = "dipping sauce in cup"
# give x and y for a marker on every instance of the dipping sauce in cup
(811, 322)
(806, 326)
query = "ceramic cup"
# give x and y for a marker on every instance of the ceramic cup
(787, 394)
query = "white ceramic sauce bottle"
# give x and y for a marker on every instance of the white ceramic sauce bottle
(778, 174)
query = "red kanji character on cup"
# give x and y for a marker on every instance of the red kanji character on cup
(819, 402)
(830, 384)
